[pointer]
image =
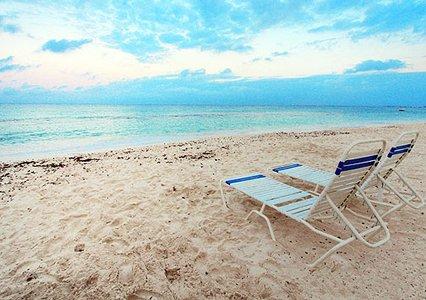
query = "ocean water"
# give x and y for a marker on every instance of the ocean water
(34, 131)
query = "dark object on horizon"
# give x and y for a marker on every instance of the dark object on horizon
(401, 109)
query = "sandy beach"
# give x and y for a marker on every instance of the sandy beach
(148, 223)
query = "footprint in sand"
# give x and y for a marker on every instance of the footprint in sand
(227, 243)
(48, 278)
(53, 244)
(271, 266)
(270, 280)
(25, 266)
(131, 206)
(117, 243)
(117, 221)
(72, 217)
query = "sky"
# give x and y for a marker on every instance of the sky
(213, 52)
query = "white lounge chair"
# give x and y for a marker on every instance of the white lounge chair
(380, 178)
(304, 207)
(387, 168)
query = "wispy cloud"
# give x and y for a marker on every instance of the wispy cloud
(8, 27)
(61, 46)
(271, 57)
(280, 53)
(379, 18)
(377, 65)
(192, 73)
(6, 65)
(226, 72)
(256, 59)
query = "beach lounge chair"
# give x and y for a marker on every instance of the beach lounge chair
(305, 207)
(387, 168)
(379, 178)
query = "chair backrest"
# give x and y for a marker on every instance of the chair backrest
(355, 166)
(401, 147)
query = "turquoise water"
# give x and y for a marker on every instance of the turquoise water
(32, 131)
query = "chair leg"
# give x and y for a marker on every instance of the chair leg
(331, 251)
(261, 214)
(223, 195)
(403, 199)
(380, 193)
(248, 216)
(415, 194)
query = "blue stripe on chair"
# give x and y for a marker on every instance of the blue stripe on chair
(286, 167)
(353, 167)
(357, 160)
(401, 147)
(390, 154)
(241, 179)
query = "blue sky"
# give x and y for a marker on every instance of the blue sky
(195, 52)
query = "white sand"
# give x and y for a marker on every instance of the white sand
(148, 223)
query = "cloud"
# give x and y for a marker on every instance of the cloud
(273, 54)
(132, 40)
(270, 58)
(221, 25)
(377, 65)
(393, 17)
(381, 89)
(7, 27)
(10, 28)
(6, 60)
(61, 46)
(339, 25)
(206, 25)
(226, 72)
(323, 44)
(230, 25)
(379, 18)
(171, 38)
(261, 59)
(6, 65)
(282, 53)
(192, 73)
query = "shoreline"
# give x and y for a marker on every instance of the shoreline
(119, 146)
